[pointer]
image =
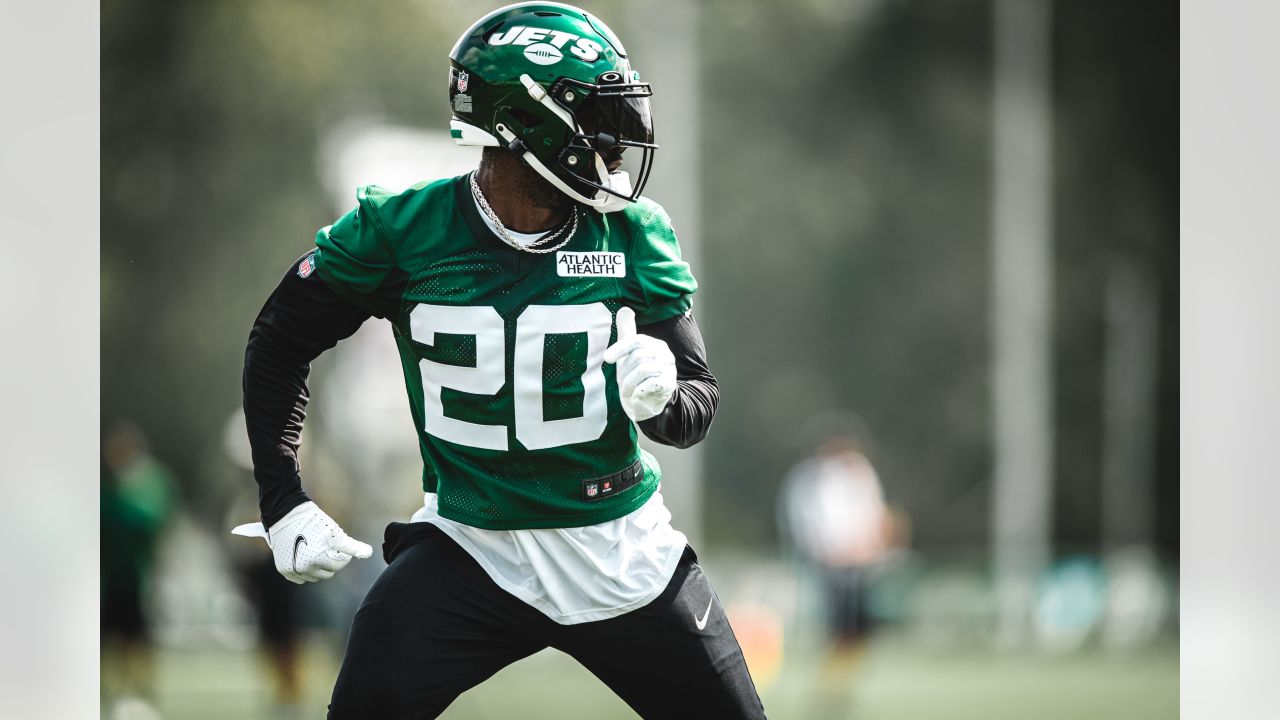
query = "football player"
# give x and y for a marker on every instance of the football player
(542, 313)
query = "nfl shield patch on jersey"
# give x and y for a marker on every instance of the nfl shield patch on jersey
(307, 266)
(610, 485)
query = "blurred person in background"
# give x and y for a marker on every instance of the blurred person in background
(136, 502)
(833, 513)
(278, 608)
(278, 605)
(515, 292)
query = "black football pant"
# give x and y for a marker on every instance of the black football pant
(434, 625)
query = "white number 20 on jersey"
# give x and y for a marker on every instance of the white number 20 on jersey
(488, 376)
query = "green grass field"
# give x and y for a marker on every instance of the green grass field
(892, 681)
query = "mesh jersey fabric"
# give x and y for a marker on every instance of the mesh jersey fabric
(574, 575)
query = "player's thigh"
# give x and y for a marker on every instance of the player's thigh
(432, 626)
(676, 657)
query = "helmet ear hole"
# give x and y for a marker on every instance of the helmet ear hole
(525, 118)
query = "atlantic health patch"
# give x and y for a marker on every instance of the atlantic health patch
(591, 264)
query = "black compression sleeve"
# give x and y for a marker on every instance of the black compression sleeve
(687, 418)
(301, 319)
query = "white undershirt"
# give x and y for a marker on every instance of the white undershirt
(525, 239)
(574, 575)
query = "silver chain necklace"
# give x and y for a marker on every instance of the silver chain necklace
(533, 247)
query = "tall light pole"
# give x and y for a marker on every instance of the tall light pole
(1021, 308)
(663, 43)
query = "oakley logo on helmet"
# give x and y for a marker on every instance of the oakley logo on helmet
(547, 41)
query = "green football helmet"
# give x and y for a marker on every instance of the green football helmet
(552, 84)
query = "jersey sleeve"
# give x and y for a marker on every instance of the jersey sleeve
(356, 258)
(661, 282)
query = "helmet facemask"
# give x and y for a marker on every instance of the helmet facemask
(612, 117)
(592, 124)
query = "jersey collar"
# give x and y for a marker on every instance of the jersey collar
(491, 242)
(503, 253)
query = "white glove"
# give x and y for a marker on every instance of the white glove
(308, 545)
(646, 369)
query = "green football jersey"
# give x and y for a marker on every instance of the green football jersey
(518, 418)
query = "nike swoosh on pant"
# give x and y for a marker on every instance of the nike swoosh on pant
(703, 622)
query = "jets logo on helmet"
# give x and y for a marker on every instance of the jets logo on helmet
(585, 49)
(553, 85)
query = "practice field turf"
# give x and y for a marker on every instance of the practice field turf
(892, 681)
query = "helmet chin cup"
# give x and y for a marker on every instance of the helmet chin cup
(619, 185)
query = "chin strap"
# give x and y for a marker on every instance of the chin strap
(603, 202)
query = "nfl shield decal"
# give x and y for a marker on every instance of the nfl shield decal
(307, 266)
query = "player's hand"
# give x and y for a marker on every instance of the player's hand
(646, 369)
(308, 545)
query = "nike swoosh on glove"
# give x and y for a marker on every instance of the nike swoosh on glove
(646, 369)
(307, 544)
